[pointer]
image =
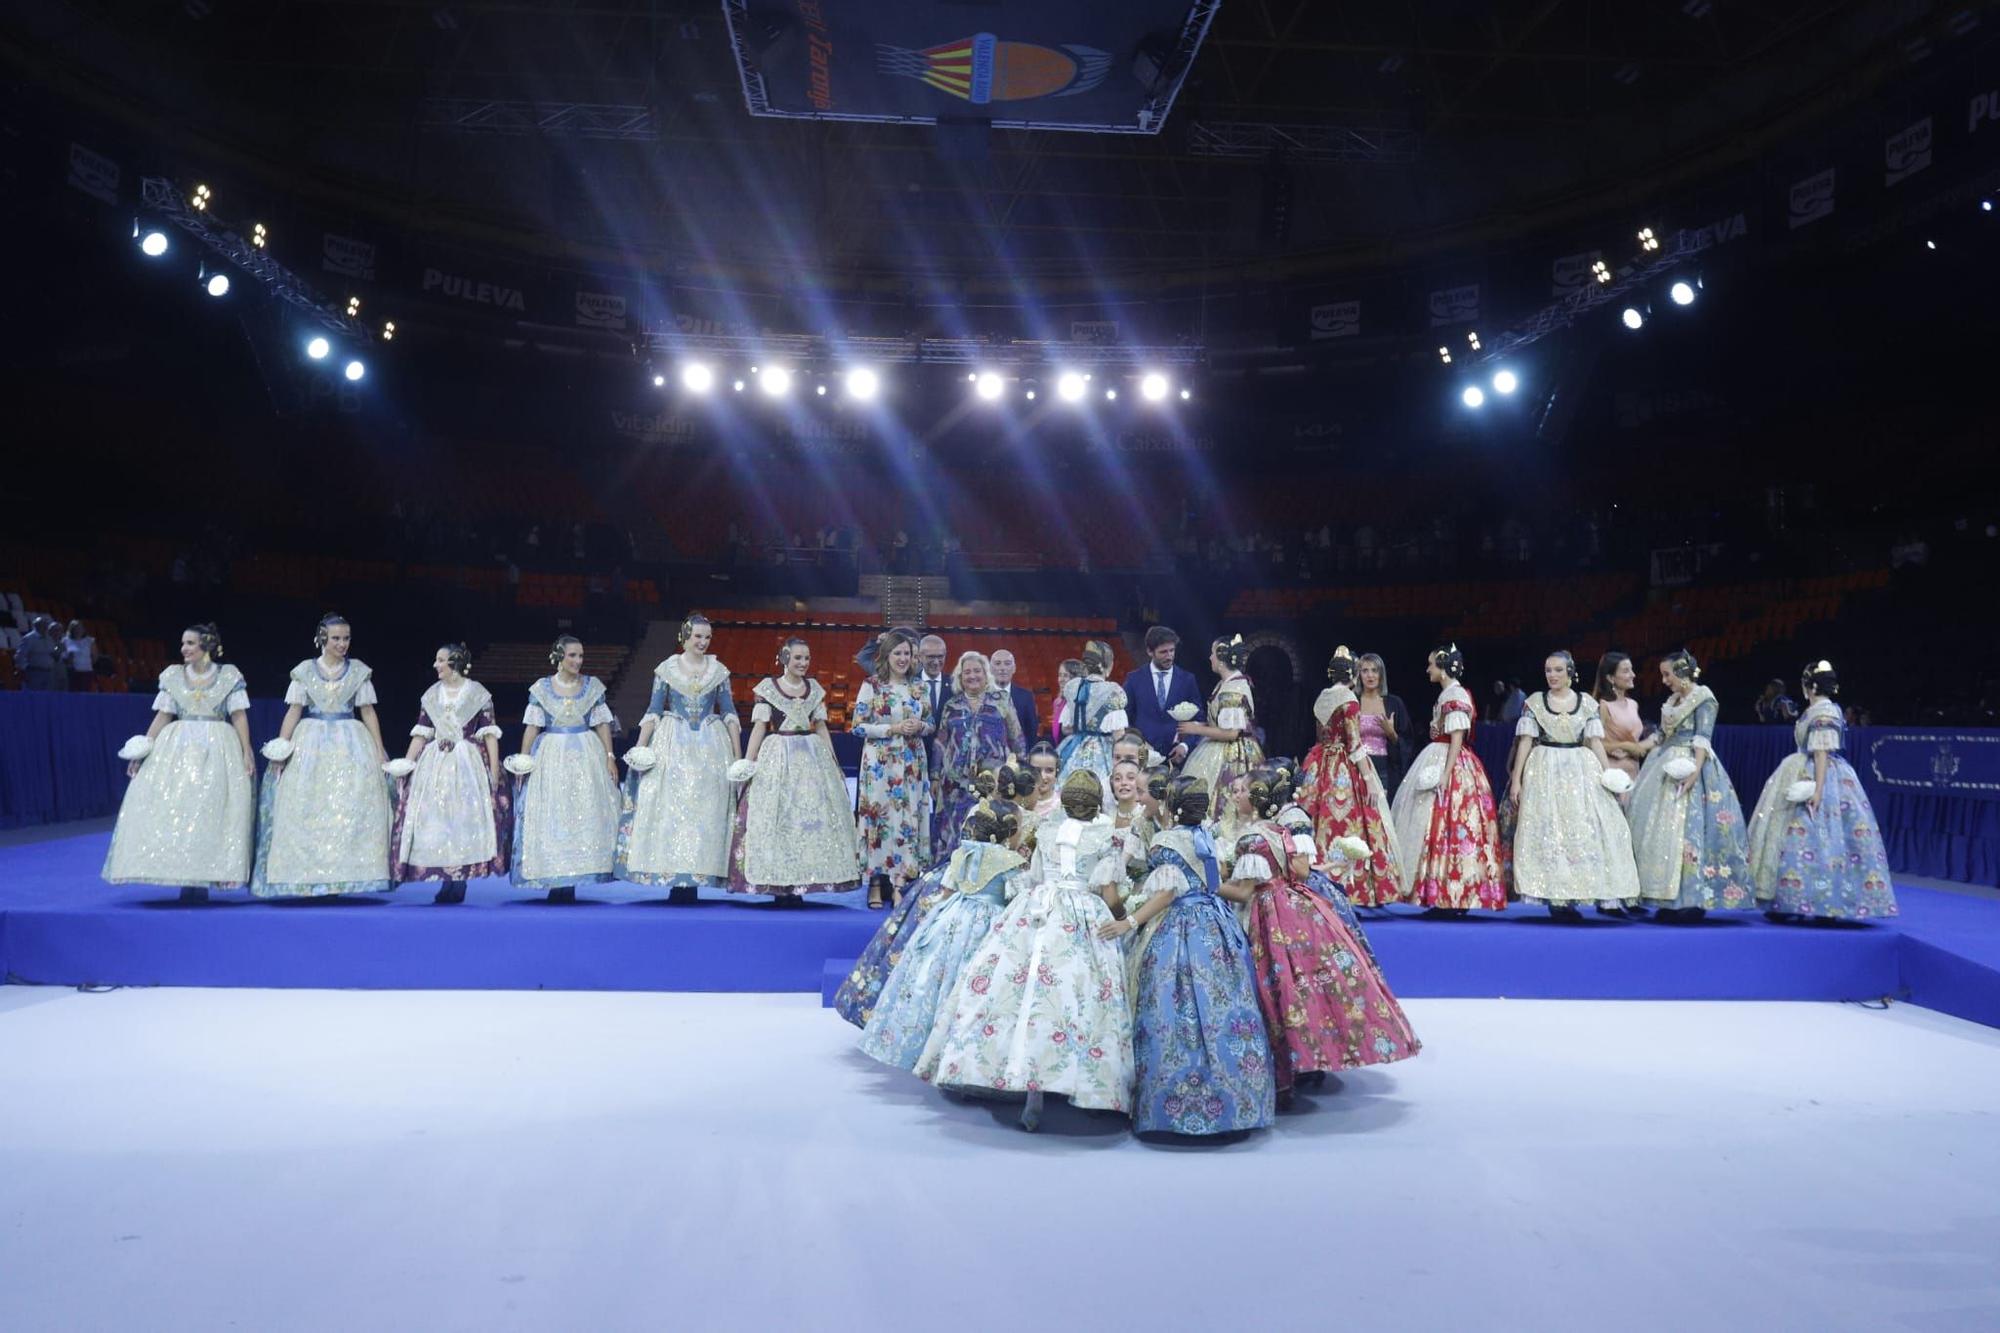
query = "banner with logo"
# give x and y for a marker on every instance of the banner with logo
(597, 304)
(347, 257)
(1811, 199)
(93, 173)
(1454, 305)
(480, 285)
(1097, 332)
(1948, 763)
(1336, 319)
(1570, 272)
(1906, 153)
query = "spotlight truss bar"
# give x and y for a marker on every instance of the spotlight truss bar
(803, 351)
(163, 201)
(1675, 250)
(578, 120)
(1353, 142)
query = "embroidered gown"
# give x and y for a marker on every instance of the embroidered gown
(1219, 763)
(1831, 864)
(189, 817)
(1691, 849)
(970, 738)
(892, 810)
(453, 822)
(794, 830)
(1328, 868)
(1042, 1005)
(1571, 844)
(1448, 834)
(977, 882)
(1200, 1057)
(566, 811)
(855, 1000)
(1325, 1003)
(1093, 711)
(678, 815)
(324, 815)
(1343, 793)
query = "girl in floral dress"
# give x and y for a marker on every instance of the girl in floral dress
(1093, 712)
(1343, 793)
(794, 832)
(978, 731)
(1325, 1003)
(893, 789)
(1815, 846)
(566, 828)
(189, 817)
(1687, 825)
(1041, 1008)
(1201, 1059)
(678, 805)
(454, 816)
(1444, 813)
(1228, 747)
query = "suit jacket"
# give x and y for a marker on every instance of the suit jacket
(1024, 708)
(1143, 706)
(934, 698)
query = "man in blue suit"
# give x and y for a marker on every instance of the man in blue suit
(1152, 690)
(1002, 662)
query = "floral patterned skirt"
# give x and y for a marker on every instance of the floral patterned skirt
(1324, 1002)
(855, 1000)
(1690, 849)
(892, 810)
(1571, 842)
(1201, 1059)
(1449, 834)
(1345, 799)
(1828, 864)
(922, 981)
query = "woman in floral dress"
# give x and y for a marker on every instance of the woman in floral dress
(1093, 712)
(679, 811)
(1444, 813)
(978, 731)
(1201, 1061)
(1687, 824)
(1325, 1003)
(1228, 742)
(1041, 1008)
(454, 815)
(1815, 846)
(893, 789)
(1343, 793)
(794, 832)
(566, 824)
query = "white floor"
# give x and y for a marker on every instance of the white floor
(186, 1159)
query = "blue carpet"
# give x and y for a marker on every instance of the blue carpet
(59, 924)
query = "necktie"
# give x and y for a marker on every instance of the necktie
(1160, 683)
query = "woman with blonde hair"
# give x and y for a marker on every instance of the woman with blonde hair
(977, 731)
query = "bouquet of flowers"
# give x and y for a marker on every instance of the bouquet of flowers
(399, 768)
(743, 770)
(136, 748)
(278, 749)
(520, 765)
(640, 758)
(1680, 768)
(1615, 780)
(1801, 791)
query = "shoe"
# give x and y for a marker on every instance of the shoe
(452, 892)
(567, 895)
(1563, 912)
(194, 894)
(683, 895)
(1031, 1112)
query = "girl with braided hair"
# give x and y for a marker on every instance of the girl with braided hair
(566, 824)
(1688, 832)
(1093, 712)
(675, 827)
(985, 871)
(1343, 793)
(1325, 1003)
(1446, 825)
(454, 814)
(1228, 741)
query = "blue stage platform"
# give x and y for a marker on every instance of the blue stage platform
(59, 924)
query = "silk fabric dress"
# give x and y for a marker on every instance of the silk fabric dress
(1691, 850)
(566, 822)
(1214, 763)
(679, 815)
(1828, 863)
(1571, 843)
(189, 817)
(1093, 711)
(453, 821)
(324, 815)
(1446, 826)
(794, 830)
(1343, 793)
(855, 1000)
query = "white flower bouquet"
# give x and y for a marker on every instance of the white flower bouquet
(1351, 849)
(138, 747)
(1615, 780)
(743, 770)
(1184, 712)
(1801, 791)
(520, 765)
(399, 768)
(1680, 768)
(640, 758)
(278, 749)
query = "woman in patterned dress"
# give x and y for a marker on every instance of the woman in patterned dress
(1816, 849)
(324, 810)
(977, 731)
(454, 816)
(1201, 1061)
(1228, 747)
(566, 825)
(1133, 814)
(1343, 793)
(1571, 844)
(1325, 1003)
(189, 817)
(794, 831)
(893, 789)
(1688, 831)
(1093, 713)
(1041, 1008)
(679, 807)
(1443, 811)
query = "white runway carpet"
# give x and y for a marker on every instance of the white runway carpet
(189, 1159)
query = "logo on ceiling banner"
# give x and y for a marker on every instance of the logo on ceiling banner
(1572, 271)
(1812, 198)
(1336, 319)
(983, 69)
(1455, 305)
(1905, 154)
(93, 173)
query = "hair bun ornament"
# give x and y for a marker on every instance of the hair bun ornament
(1820, 667)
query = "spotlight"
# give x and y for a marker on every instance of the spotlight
(317, 348)
(198, 201)
(1153, 387)
(1444, 355)
(258, 236)
(1111, 395)
(355, 370)
(1473, 396)
(152, 241)
(989, 385)
(1186, 394)
(659, 381)
(1632, 318)
(697, 378)
(776, 382)
(971, 375)
(1070, 386)
(353, 306)
(820, 389)
(738, 386)
(1682, 291)
(1600, 270)
(215, 284)
(1647, 241)
(388, 330)
(1473, 338)
(1506, 381)
(863, 383)
(1986, 205)
(1928, 245)
(1031, 395)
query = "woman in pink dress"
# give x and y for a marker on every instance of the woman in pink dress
(1325, 1004)
(1625, 743)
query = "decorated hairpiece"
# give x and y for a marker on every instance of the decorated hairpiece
(1820, 666)
(326, 622)
(688, 623)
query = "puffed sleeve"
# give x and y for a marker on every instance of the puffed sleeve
(1823, 733)
(600, 716)
(656, 703)
(1110, 868)
(1115, 721)
(1527, 726)
(1593, 730)
(819, 713)
(1704, 724)
(364, 697)
(238, 700)
(1232, 713)
(1457, 719)
(296, 696)
(489, 724)
(425, 727)
(1251, 866)
(534, 716)
(760, 713)
(1165, 879)
(164, 703)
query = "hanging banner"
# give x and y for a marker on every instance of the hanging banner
(1965, 763)
(1572, 271)
(347, 257)
(1097, 332)
(93, 173)
(1905, 154)
(1336, 319)
(1811, 199)
(592, 309)
(1455, 305)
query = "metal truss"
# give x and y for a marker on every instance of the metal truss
(1153, 114)
(1302, 143)
(800, 350)
(580, 120)
(168, 202)
(1561, 314)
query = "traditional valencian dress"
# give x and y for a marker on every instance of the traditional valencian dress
(1691, 849)
(978, 880)
(566, 818)
(678, 814)
(970, 739)
(1093, 711)
(1571, 844)
(794, 833)
(892, 809)
(1042, 1007)
(1219, 763)
(453, 822)
(324, 815)
(1340, 788)
(1445, 820)
(189, 817)
(855, 1000)
(1201, 1059)
(1830, 863)
(1325, 1003)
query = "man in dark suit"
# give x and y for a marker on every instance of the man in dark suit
(1152, 691)
(1024, 699)
(936, 685)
